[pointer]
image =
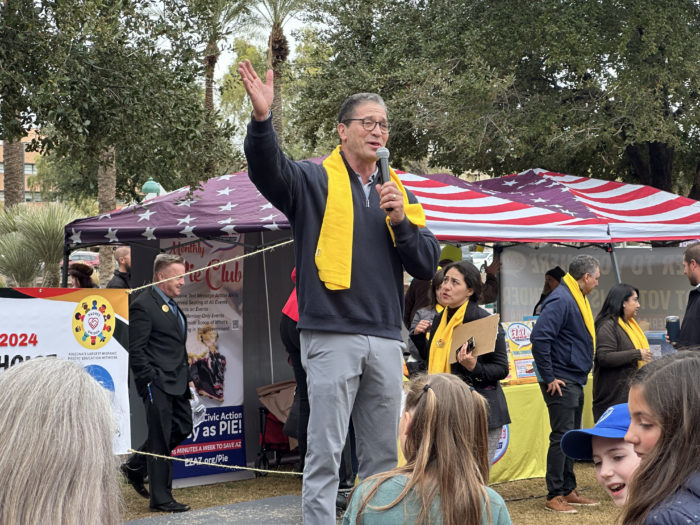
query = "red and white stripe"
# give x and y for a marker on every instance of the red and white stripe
(624, 212)
(462, 214)
(634, 212)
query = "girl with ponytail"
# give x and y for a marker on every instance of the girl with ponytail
(443, 435)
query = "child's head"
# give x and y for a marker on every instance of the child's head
(614, 459)
(444, 438)
(664, 403)
(442, 413)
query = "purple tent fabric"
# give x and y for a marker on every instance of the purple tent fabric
(225, 207)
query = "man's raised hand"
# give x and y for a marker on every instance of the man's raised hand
(261, 95)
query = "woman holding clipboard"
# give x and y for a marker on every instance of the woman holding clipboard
(460, 294)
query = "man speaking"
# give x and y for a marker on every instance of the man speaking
(353, 238)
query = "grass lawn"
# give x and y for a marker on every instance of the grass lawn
(529, 510)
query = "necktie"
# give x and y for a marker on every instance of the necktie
(173, 304)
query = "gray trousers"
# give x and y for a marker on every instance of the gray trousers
(348, 375)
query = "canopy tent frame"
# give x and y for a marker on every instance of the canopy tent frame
(68, 248)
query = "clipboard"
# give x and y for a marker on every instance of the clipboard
(484, 331)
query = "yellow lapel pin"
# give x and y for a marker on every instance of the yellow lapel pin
(165, 308)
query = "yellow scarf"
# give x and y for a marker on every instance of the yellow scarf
(439, 359)
(334, 248)
(636, 335)
(583, 305)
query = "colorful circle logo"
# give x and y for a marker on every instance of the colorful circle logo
(93, 322)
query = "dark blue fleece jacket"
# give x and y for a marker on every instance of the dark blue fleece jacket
(561, 344)
(682, 508)
(374, 303)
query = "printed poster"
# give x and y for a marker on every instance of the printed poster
(521, 364)
(212, 300)
(88, 326)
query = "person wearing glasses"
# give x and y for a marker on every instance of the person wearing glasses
(353, 239)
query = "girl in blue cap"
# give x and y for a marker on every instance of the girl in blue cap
(614, 459)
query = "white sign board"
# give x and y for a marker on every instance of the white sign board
(89, 326)
(657, 273)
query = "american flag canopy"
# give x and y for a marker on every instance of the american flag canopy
(543, 206)
(533, 206)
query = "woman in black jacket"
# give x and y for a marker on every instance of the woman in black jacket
(616, 358)
(462, 284)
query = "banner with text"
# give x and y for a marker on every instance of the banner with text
(89, 326)
(657, 273)
(212, 300)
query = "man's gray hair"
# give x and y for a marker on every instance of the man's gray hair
(582, 265)
(56, 435)
(347, 109)
(163, 260)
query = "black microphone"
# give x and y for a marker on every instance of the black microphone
(383, 156)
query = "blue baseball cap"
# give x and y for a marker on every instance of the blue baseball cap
(612, 424)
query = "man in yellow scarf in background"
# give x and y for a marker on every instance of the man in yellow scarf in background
(353, 238)
(563, 345)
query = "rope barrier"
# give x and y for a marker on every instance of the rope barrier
(215, 464)
(269, 248)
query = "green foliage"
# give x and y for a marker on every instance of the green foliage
(279, 12)
(32, 235)
(604, 89)
(18, 261)
(218, 20)
(42, 229)
(234, 101)
(9, 218)
(236, 105)
(108, 74)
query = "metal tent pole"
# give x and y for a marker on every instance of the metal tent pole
(616, 268)
(64, 270)
(267, 305)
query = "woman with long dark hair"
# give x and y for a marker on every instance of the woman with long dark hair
(460, 294)
(620, 346)
(664, 402)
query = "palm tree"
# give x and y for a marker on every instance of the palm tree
(218, 19)
(275, 14)
(14, 172)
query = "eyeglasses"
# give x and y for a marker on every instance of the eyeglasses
(370, 124)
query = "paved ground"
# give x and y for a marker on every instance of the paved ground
(283, 510)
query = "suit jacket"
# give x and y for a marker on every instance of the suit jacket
(490, 368)
(156, 346)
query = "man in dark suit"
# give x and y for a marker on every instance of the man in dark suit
(158, 361)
